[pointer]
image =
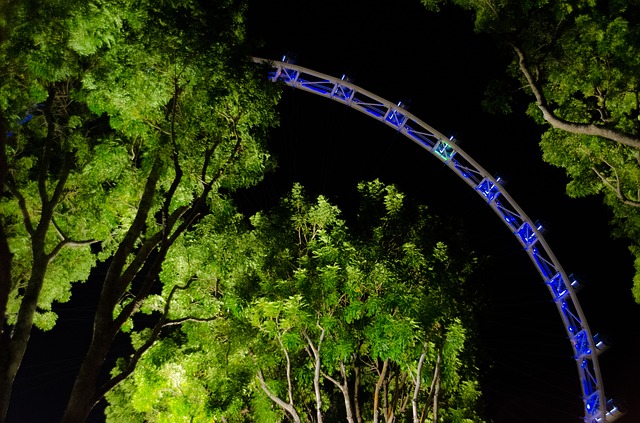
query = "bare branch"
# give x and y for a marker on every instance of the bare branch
(289, 408)
(572, 127)
(616, 189)
(66, 242)
(189, 319)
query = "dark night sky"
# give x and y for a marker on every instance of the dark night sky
(398, 50)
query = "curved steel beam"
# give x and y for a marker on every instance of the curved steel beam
(561, 287)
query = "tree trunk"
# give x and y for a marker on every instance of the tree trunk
(436, 388)
(83, 396)
(6, 259)
(13, 345)
(416, 391)
(345, 393)
(344, 388)
(316, 373)
(356, 399)
(289, 408)
(376, 394)
(435, 400)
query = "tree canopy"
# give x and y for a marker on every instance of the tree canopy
(319, 320)
(580, 61)
(122, 124)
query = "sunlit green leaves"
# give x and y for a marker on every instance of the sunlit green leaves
(103, 98)
(377, 292)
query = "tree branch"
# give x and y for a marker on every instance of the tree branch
(66, 242)
(155, 334)
(59, 189)
(188, 319)
(46, 158)
(376, 394)
(418, 380)
(286, 355)
(112, 290)
(572, 127)
(616, 189)
(344, 388)
(286, 407)
(23, 207)
(316, 373)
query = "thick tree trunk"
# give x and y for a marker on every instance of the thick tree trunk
(5, 254)
(13, 345)
(83, 396)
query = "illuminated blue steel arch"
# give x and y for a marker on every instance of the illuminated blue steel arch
(562, 287)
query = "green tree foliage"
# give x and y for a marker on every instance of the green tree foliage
(581, 60)
(322, 322)
(122, 124)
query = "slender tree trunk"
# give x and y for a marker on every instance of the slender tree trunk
(435, 388)
(344, 388)
(376, 394)
(435, 400)
(356, 399)
(416, 390)
(317, 370)
(289, 408)
(345, 393)
(14, 344)
(7, 373)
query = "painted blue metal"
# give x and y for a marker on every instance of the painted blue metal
(596, 408)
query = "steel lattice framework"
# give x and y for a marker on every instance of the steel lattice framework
(586, 347)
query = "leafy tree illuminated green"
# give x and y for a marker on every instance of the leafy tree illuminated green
(140, 116)
(581, 60)
(324, 323)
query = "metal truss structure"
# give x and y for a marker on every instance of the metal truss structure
(586, 347)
